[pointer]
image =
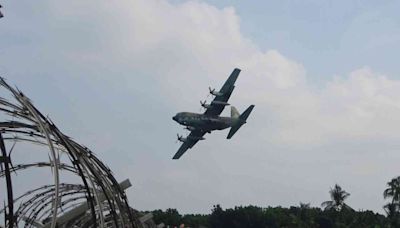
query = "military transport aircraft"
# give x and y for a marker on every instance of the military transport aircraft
(200, 124)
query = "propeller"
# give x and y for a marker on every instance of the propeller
(214, 93)
(211, 91)
(179, 138)
(204, 104)
(201, 107)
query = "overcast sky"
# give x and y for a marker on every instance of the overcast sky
(323, 75)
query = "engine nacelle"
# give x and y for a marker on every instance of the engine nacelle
(220, 103)
(204, 105)
(195, 138)
(181, 138)
(190, 128)
(207, 106)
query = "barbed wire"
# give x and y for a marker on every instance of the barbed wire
(98, 201)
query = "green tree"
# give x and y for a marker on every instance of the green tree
(393, 190)
(392, 209)
(169, 217)
(302, 216)
(338, 196)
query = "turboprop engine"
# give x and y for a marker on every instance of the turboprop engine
(190, 128)
(195, 137)
(184, 139)
(220, 103)
(214, 93)
(207, 106)
(181, 138)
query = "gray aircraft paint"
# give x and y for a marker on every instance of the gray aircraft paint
(204, 122)
(200, 124)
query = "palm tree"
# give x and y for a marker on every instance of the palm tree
(338, 195)
(391, 209)
(393, 190)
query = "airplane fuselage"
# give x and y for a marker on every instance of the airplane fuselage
(203, 122)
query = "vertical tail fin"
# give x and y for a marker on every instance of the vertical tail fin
(242, 120)
(234, 113)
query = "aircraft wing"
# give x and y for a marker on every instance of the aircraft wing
(191, 140)
(226, 91)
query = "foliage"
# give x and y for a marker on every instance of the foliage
(338, 196)
(392, 209)
(257, 217)
(393, 190)
(336, 213)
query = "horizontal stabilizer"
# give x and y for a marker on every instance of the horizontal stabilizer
(246, 113)
(233, 130)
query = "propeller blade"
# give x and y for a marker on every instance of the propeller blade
(202, 105)
(210, 91)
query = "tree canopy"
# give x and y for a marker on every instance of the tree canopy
(334, 213)
(257, 217)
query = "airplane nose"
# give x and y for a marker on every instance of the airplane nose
(174, 118)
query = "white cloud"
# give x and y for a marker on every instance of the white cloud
(188, 46)
(175, 51)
